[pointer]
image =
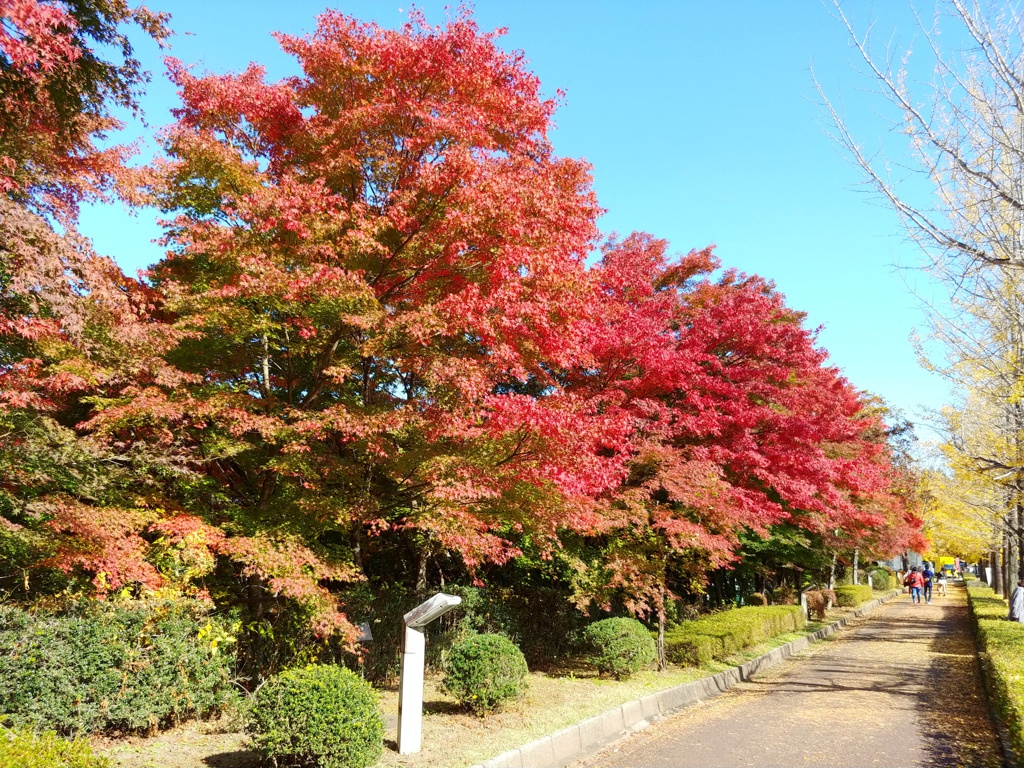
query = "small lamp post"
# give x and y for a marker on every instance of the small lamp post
(410, 687)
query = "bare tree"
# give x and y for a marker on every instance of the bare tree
(965, 128)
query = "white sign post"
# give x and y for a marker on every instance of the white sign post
(410, 687)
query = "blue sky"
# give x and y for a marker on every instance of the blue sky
(700, 121)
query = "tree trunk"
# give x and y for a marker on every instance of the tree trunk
(1012, 550)
(421, 572)
(997, 571)
(662, 664)
(266, 365)
(856, 565)
(357, 547)
(1019, 532)
(832, 573)
(1005, 555)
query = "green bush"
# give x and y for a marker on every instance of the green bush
(619, 647)
(542, 622)
(1001, 646)
(112, 666)
(321, 715)
(722, 634)
(880, 579)
(852, 595)
(484, 671)
(21, 748)
(784, 595)
(756, 598)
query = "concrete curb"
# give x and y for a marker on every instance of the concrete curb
(559, 749)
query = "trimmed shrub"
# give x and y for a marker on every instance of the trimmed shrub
(880, 579)
(485, 671)
(756, 598)
(720, 635)
(542, 622)
(112, 666)
(620, 646)
(1001, 650)
(784, 595)
(321, 715)
(819, 601)
(20, 748)
(852, 595)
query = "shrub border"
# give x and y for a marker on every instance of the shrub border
(720, 635)
(1010, 733)
(564, 747)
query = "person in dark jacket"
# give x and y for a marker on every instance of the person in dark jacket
(929, 576)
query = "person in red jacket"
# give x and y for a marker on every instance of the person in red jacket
(915, 581)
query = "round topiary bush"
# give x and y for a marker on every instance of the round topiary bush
(879, 578)
(756, 598)
(484, 671)
(619, 647)
(320, 715)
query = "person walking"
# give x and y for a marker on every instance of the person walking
(1017, 603)
(941, 582)
(928, 575)
(915, 581)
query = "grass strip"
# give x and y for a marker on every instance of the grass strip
(1001, 650)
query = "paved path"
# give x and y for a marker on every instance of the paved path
(899, 688)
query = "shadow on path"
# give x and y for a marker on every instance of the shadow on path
(900, 688)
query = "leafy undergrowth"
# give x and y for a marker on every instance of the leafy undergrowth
(452, 736)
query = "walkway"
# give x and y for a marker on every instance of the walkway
(900, 688)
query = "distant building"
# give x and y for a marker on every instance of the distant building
(905, 561)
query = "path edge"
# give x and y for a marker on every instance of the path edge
(564, 747)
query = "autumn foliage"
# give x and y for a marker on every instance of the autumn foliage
(375, 337)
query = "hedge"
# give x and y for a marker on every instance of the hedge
(852, 595)
(22, 748)
(720, 635)
(1001, 649)
(104, 666)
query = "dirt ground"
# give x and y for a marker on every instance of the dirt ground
(217, 744)
(901, 688)
(451, 736)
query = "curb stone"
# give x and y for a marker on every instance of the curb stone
(564, 747)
